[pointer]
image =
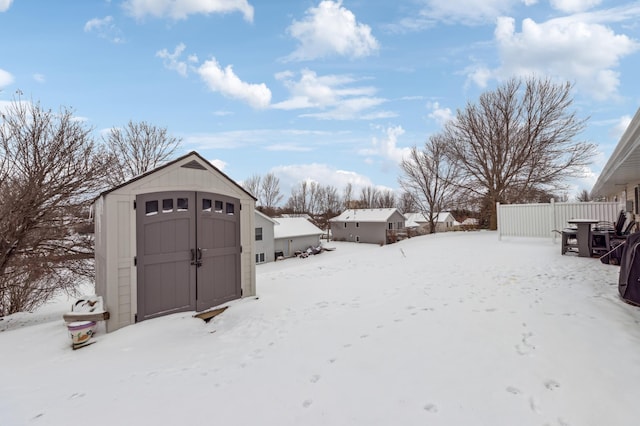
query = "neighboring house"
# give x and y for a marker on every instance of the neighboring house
(264, 237)
(444, 222)
(417, 222)
(470, 223)
(376, 226)
(294, 234)
(620, 178)
(177, 238)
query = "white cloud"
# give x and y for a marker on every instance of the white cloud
(228, 84)
(292, 175)
(469, 12)
(104, 28)
(335, 94)
(290, 147)
(569, 49)
(5, 78)
(572, 6)
(387, 146)
(620, 127)
(219, 164)
(4, 5)
(328, 30)
(172, 61)
(439, 114)
(181, 9)
(39, 78)
(260, 138)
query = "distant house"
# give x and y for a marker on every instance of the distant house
(292, 234)
(264, 238)
(470, 223)
(376, 226)
(444, 222)
(417, 222)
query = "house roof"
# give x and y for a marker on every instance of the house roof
(365, 215)
(421, 218)
(287, 227)
(265, 217)
(202, 164)
(623, 166)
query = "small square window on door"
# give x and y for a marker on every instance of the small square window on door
(183, 204)
(167, 205)
(151, 207)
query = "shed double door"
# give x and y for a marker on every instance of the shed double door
(188, 252)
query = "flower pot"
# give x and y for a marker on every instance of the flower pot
(81, 332)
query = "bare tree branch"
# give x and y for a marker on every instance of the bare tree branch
(517, 141)
(138, 148)
(50, 169)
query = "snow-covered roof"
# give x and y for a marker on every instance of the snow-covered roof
(421, 218)
(415, 218)
(264, 216)
(287, 227)
(364, 215)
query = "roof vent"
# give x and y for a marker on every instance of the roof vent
(193, 164)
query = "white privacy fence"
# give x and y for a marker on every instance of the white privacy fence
(539, 220)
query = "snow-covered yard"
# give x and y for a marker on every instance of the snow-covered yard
(451, 329)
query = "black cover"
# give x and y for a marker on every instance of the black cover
(628, 282)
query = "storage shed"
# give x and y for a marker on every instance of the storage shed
(177, 238)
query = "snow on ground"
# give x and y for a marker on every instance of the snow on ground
(451, 329)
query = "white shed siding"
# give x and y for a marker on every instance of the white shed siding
(265, 246)
(116, 278)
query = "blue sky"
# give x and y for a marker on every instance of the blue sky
(333, 91)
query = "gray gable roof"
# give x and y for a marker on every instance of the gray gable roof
(203, 164)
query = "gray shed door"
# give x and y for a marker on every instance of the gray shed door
(188, 251)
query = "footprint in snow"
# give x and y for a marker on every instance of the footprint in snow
(534, 404)
(551, 384)
(513, 390)
(431, 408)
(314, 378)
(307, 403)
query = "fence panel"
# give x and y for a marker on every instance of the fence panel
(539, 220)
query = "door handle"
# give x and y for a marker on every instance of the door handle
(199, 257)
(193, 256)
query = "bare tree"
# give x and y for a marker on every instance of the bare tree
(253, 186)
(138, 148)
(369, 196)
(347, 196)
(430, 178)
(406, 203)
(518, 137)
(329, 205)
(270, 191)
(386, 199)
(583, 196)
(50, 169)
(299, 200)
